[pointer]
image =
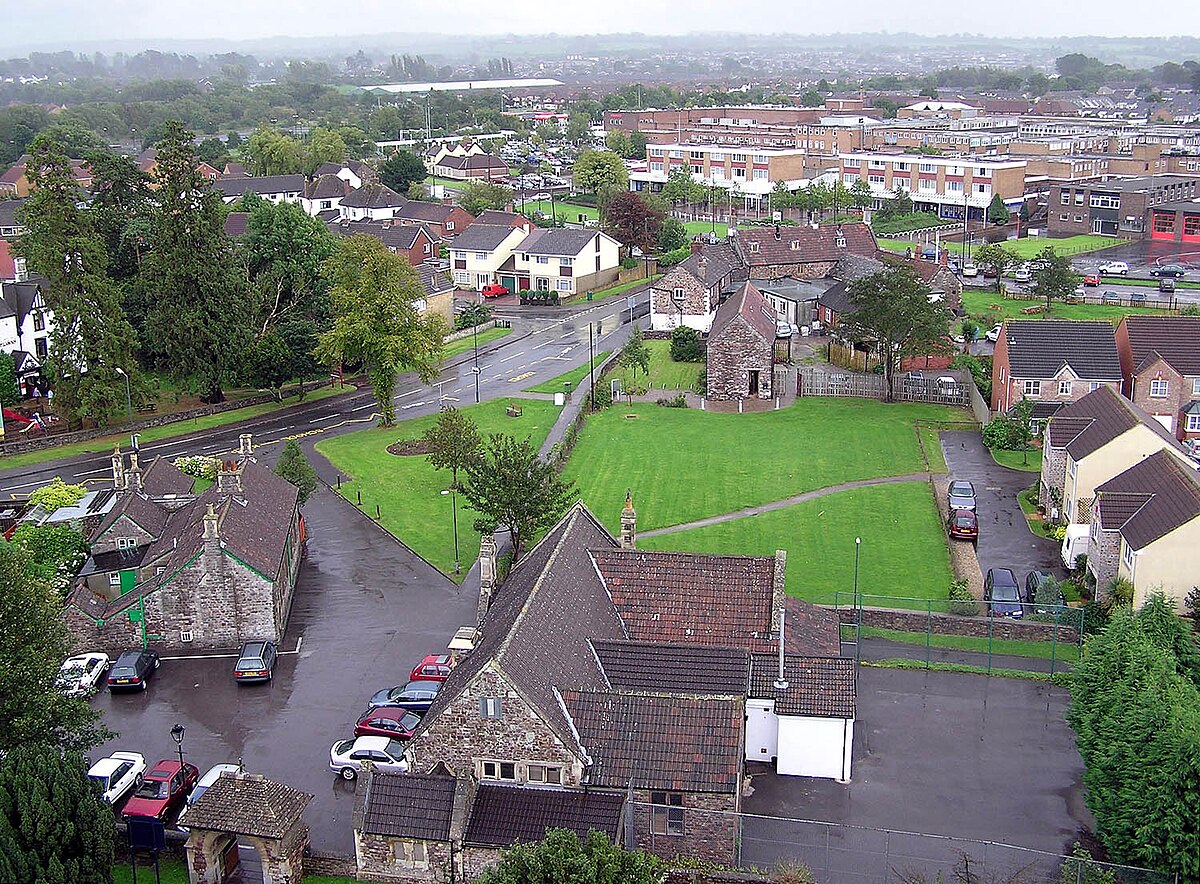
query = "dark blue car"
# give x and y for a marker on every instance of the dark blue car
(1002, 593)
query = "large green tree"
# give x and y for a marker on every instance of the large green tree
(402, 170)
(53, 826)
(562, 858)
(91, 336)
(630, 221)
(1053, 277)
(508, 484)
(294, 467)
(121, 210)
(270, 152)
(201, 320)
(681, 187)
(376, 322)
(893, 313)
(600, 170)
(324, 146)
(478, 196)
(998, 259)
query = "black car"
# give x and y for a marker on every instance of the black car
(416, 696)
(1168, 271)
(1166, 284)
(256, 662)
(1002, 594)
(132, 670)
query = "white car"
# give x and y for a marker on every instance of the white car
(346, 756)
(993, 334)
(1022, 274)
(80, 675)
(1114, 268)
(210, 777)
(117, 775)
(970, 270)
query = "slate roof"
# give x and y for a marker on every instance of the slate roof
(558, 241)
(395, 236)
(407, 805)
(503, 815)
(715, 269)
(248, 804)
(8, 212)
(18, 298)
(327, 187)
(1175, 339)
(238, 185)
(657, 741)
(507, 219)
(373, 196)
(851, 267)
(421, 210)
(236, 223)
(163, 478)
(810, 246)
(837, 298)
(1087, 425)
(749, 303)
(114, 560)
(475, 161)
(434, 280)
(144, 512)
(1170, 498)
(818, 687)
(1040, 348)
(674, 669)
(482, 237)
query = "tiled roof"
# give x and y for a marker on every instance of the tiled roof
(709, 270)
(1172, 497)
(504, 815)
(1175, 338)
(482, 237)
(395, 236)
(420, 210)
(8, 267)
(163, 478)
(407, 805)
(655, 741)
(674, 669)
(804, 244)
(236, 222)
(262, 184)
(373, 196)
(819, 687)
(8, 212)
(507, 219)
(248, 804)
(750, 304)
(1040, 348)
(434, 280)
(1092, 422)
(327, 187)
(145, 513)
(559, 241)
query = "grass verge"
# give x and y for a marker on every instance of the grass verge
(609, 292)
(903, 544)
(695, 228)
(1044, 650)
(568, 380)
(462, 345)
(931, 442)
(167, 431)
(665, 373)
(1026, 461)
(978, 302)
(173, 871)
(407, 489)
(1059, 678)
(1028, 502)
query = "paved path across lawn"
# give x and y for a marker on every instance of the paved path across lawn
(786, 502)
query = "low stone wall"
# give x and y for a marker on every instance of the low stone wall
(333, 865)
(468, 332)
(948, 624)
(696, 876)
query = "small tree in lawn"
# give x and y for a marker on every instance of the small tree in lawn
(1053, 277)
(686, 345)
(479, 196)
(673, 235)
(860, 194)
(294, 467)
(997, 212)
(630, 221)
(508, 484)
(636, 354)
(453, 442)
(993, 256)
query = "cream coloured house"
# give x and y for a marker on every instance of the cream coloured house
(480, 250)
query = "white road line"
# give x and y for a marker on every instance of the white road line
(497, 377)
(203, 657)
(24, 485)
(94, 473)
(511, 358)
(317, 420)
(411, 405)
(409, 393)
(362, 407)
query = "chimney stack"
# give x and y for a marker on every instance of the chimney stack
(118, 468)
(778, 586)
(778, 232)
(702, 267)
(487, 572)
(245, 444)
(629, 523)
(229, 477)
(211, 532)
(133, 480)
(697, 245)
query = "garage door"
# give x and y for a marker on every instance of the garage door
(815, 747)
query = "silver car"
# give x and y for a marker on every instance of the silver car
(961, 496)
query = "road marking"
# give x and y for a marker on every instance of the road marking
(27, 484)
(411, 405)
(497, 377)
(520, 377)
(317, 420)
(449, 399)
(409, 393)
(511, 358)
(362, 407)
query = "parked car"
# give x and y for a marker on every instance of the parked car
(493, 291)
(1110, 298)
(162, 790)
(1166, 284)
(117, 774)
(1022, 274)
(1138, 298)
(387, 721)
(540, 197)
(346, 756)
(132, 670)
(961, 496)
(1033, 582)
(433, 667)
(993, 334)
(80, 675)
(970, 270)
(1114, 268)
(990, 272)
(256, 663)
(416, 696)
(964, 525)
(1092, 279)
(948, 386)
(915, 384)
(210, 776)
(1168, 271)
(1001, 593)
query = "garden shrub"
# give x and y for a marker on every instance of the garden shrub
(702, 381)
(198, 466)
(980, 370)
(1006, 433)
(1071, 590)
(673, 257)
(1093, 617)
(629, 262)
(686, 345)
(603, 397)
(677, 402)
(1119, 593)
(962, 603)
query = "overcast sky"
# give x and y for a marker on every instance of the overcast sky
(65, 23)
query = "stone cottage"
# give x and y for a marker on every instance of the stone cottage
(741, 347)
(181, 570)
(690, 292)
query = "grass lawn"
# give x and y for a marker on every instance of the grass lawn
(977, 302)
(686, 464)
(450, 183)
(601, 294)
(694, 228)
(568, 379)
(173, 871)
(1024, 248)
(462, 345)
(933, 449)
(1027, 500)
(903, 545)
(568, 211)
(665, 373)
(408, 489)
(1042, 650)
(1027, 461)
(179, 428)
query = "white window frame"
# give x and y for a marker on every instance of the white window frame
(114, 578)
(185, 635)
(126, 542)
(411, 853)
(1193, 423)
(1159, 388)
(493, 769)
(564, 284)
(1032, 389)
(545, 774)
(1064, 388)
(1196, 386)
(1126, 553)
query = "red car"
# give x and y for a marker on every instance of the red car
(493, 291)
(162, 790)
(1092, 279)
(964, 525)
(395, 722)
(434, 667)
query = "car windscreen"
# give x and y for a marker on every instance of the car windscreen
(1003, 593)
(395, 749)
(250, 663)
(152, 789)
(964, 522)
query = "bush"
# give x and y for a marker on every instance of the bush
(981, 372)
(686, 345)
(1093, 617)
(1119, 593)
(198, 466)
(1191, 604)
(603, 396)
(473, 315)
(1006, 433)
(1071, 590)
(670, 259)
(57, 495)
(678, 402)
(900, 222)
(962, 602)
(629, 262)
(702, 381)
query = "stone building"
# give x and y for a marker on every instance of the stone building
(690, 292)
(741, 347)
(182, 570)
(800, 252)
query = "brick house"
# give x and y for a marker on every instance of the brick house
(441, 219)
(800, 252)
(607, 689)
(476, 167)
(15, 180)
(439, 291)
(414, 241)
(741, 347)
(1160, 365)
(1117, 207)
(690, 292)
(213, 570)
(1052, 362)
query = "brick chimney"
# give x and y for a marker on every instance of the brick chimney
(628, 523)
(702, 268)
(487, 572)
(229, 477)
(697, 245)
(118, 468)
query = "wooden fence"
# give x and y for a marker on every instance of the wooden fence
(907, 387)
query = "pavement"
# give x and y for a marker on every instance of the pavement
(1005, 540)
(945, 754)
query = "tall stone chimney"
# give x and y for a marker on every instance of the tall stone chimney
(118, 468)
(133, 478)
(245, 444)
(628, 523)
(778, 587)
(229, 477)
(487, 572)
(211, 527)
(696, 245)
(702, 268)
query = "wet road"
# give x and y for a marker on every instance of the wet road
(365, 611)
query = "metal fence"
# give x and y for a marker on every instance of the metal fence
(948, 387)
(1114, 299)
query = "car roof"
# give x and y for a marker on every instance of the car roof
(423, 685)
(961, 513)
(380, 743)
(394, 712)
(84, 658)
(214, 773)
(105, 766)
(129, 656)
(164, 768)
(997, 573)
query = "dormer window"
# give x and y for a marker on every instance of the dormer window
(795, 245)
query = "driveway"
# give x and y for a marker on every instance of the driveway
(1005, 540)
(965, 756)
(366, 609)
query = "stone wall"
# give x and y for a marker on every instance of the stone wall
(732, 355)
(799, 270)
(1104, 550)
(376, 857)
(476, 860)
(1054, 474)
(123, 526)
(710, 828)
(947, 624)
(665, 310)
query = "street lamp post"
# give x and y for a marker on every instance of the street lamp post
(453, 492)
(128, 397)
(857, 547)
(177, 735)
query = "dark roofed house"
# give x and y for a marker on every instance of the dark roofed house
(475, 167)
(403, 821)
(741, 347)
(1160, 362)
(447, 221)
(1052, 362)
(372, 202)
(323, 193)
(690, 292)
(414, 241)
(803, 252)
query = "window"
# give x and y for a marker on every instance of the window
(114, 578)
(497, 770)
(902, 167)
(697, 155)
(1064, 388)
(39, 321)
(564, 285)
(753, 246)
(1064, 217)
(761, 175)
(410, 853)
(1127, 554)
(185, 635)
(1193, 423)
(850, 179)
(677, 154)
(739, 173)
(697, 170)
(1078, 219)
(678, 295)
(954, 170)
(954, 187)
(565, 262)
(1079, 198)
(927, 167)
(449, 225)
(760, 158)
(717, 156)
(875, 179)
(1094, 385)
(462, 276)
(927, 185)
(982, 172)
(666, 813)
(739, 157)
(490, 707)
(126, 543)
(1196, 386)
(543, 259)
(851, 164)
(876, 164)
(545, 773)
(1105, 201)
(1066, 198)
(481, 256)
(1033, 388)
(1159, 389)
(983, 189)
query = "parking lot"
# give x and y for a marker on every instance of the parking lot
(366, 610)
